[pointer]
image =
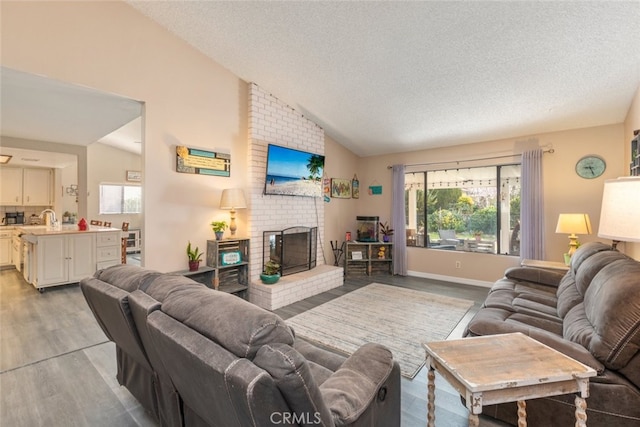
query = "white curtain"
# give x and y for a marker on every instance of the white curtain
(398, 222)
(532, 206)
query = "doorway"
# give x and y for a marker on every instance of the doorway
(102, 131)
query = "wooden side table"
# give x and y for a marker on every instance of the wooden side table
(495, 369)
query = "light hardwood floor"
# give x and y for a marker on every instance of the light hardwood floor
(57, 367)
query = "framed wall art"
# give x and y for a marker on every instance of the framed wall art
(134, 176)
(341, 188)
(355, 187)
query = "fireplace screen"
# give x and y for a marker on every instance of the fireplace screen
(293, 248)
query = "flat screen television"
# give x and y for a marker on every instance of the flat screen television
(293, 172)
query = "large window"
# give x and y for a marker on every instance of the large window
(120, 199)
(466, 209)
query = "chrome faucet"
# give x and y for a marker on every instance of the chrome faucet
(49, 217)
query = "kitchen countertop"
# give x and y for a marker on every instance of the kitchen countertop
(32, 232)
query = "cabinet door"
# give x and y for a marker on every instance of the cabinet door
(16, 255)
(81, 256)
(10, 186)
(52, 260)
(37, 187)
(5, 251)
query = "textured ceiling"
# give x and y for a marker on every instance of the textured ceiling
(384, 77)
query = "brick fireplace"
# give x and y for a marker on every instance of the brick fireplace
(272, 121)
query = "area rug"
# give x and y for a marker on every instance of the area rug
(399, 318)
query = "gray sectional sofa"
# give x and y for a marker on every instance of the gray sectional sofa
(194, 356)
(591, 313)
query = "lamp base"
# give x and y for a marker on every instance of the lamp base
(573, 244)
(232, 224)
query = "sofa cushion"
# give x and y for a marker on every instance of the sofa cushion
(237, 325)
(532, 302)
(160, 287)
(607, 323)
(575, 284)
(324, 358)
(585, 251)
(124, 276)
(292, 375)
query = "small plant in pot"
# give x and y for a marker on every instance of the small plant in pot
(271, 273)
(386, 231)
(194, 257)
(218, 228)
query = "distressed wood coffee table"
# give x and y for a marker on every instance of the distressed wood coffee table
(505, 368)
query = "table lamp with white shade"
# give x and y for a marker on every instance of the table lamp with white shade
(233, 198)
(573, 224)
(620, 212)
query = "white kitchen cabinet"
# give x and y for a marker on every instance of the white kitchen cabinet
(26, 186)
(6, 247)
(36, 187)
(64, 258)
(16, 253)
(10, 186)
(108, 249)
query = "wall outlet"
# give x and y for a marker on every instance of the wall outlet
(458, 264)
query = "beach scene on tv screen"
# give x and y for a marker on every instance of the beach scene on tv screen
(293, 173)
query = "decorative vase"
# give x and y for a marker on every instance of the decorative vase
(269, 279)
(219, 234)
(194, 265)
(385, 238)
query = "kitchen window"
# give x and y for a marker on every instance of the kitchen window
(465, 209)
(120, 199)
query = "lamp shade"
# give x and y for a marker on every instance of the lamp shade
(620, 214)
(232, 198)
(573, 223)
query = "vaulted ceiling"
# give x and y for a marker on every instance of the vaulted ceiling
(392, 76)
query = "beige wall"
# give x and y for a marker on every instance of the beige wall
(108, 165)
(339, 214)
(189, 100)
(631, 123)
(564, 192)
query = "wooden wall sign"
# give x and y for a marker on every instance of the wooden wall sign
(201, 162)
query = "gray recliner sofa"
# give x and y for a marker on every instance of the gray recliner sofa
(230, 363)
(592, 314)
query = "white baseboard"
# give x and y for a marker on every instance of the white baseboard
(463, 280)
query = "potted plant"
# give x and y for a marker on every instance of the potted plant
(66, 217)
(271, 273)
(218, 228)
(194, 257)
(386, 231)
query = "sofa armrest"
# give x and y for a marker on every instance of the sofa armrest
(535, 275)
(568, 348)
(361, 379)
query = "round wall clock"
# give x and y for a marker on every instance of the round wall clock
(590, 166)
